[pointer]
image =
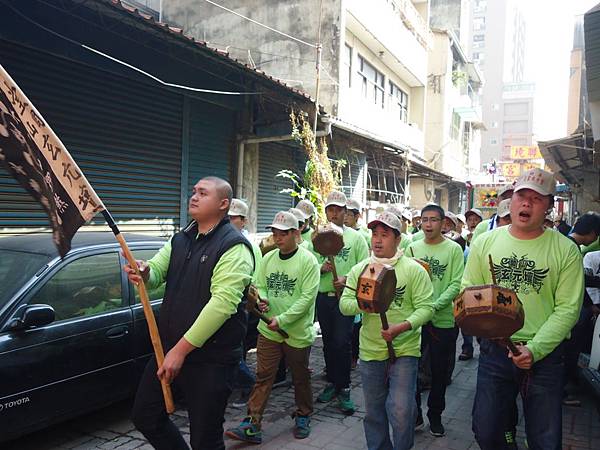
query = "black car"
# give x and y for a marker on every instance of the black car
(73, 336)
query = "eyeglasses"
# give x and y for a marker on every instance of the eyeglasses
(430, 219)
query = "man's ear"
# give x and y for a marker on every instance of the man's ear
(224, 206)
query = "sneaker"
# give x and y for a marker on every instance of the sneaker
(465, 356)
(327, 395)
(435, 427)
(242, 400)
(302, 428)
(419, 424)
(247, 431)
(345, 404)
(571, 400)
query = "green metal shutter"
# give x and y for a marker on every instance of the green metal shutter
(125, 136)
(212, 141)
(274, 157)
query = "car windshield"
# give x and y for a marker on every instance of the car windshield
(15, 269)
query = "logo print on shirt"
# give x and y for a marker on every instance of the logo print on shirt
(399, 296)
(437, 269)
(278, 283)
(344, 253)
(520, 274)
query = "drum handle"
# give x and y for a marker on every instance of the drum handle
(509, 344)
(334, 273)
(390, 347)
(492, 269)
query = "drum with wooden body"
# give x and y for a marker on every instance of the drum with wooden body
(375, 291)
(328, 241)
(424, 264)
(267, 244)
(489, 311)
(376, 288)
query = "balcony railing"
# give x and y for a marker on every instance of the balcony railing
(412, 20)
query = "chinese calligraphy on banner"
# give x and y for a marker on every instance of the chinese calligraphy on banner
(39, 161)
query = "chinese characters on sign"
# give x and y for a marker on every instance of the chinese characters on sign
(525, 152)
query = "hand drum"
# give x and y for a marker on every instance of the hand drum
(328, 240)
(376, 288)
(489, 311)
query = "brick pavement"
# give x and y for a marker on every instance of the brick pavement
(111, 428)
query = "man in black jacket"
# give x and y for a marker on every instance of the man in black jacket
(207, 267)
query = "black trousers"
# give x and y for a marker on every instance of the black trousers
(336, 330)
(442, 343)
(205, 388)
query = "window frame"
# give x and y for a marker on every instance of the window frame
(377, 85)
(398, 100)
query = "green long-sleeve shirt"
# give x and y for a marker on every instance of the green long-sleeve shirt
(481, 228)
(547, 275)
(355, 250)
(446, 263)
(290, 285)
(230, 277)
(594, 246)
(412, 302)
(405, 241)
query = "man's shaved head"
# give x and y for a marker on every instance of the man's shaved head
(223, 188)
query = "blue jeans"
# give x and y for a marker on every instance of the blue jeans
(390, 402)
(336, 330)
(499, 381)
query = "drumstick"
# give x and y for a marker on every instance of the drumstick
(265, 319)
(492, 269)
(251, 299)
(390, 347)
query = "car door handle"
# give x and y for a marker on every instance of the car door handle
(117, 332)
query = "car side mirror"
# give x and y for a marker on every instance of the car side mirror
(32, 316)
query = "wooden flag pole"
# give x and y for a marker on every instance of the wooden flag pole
(48, 172)
(148, 313)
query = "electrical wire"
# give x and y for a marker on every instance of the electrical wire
(261, 24)
(137, 69)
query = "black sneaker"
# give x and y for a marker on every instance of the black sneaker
(465, 356)
(419, 424)
(435, 427)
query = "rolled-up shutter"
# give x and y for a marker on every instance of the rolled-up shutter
(125, 135)
(274, 157)
(212, 141)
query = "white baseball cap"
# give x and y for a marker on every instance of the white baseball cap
(452, 217)
(416, 213)
(387, 218)
(474, 211)
(297, 214)
(238, 208)
(307, 208)
(538, 180)
(503, 209)
(407, 214)
(462, 218)
(353, 205)
(284, 221)
(505, 189)
(394, 210)
(336, 198)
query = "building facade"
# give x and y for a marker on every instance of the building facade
(372, 80)
(498, 48)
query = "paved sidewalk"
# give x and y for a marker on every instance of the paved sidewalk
(111, 428)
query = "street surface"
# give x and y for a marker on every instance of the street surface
(111, 428)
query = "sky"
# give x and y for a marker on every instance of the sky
(548, 51)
